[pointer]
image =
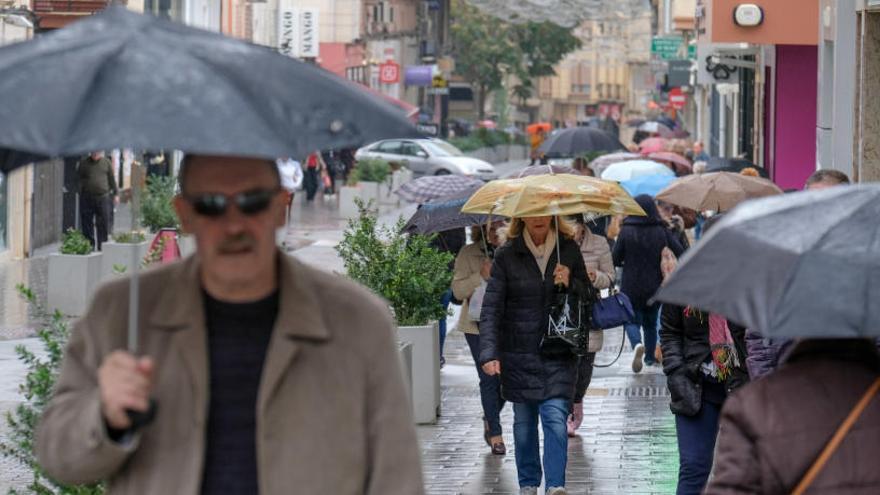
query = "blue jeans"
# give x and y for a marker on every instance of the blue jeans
(490, 389)
(553, 414)
(645, 319)
(445, 300)
(696, 447)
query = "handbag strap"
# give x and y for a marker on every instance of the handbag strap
(837, 439)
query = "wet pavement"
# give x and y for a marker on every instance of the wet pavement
(626, 444)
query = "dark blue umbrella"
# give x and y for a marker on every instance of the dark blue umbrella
(124, 80)
(444, 214)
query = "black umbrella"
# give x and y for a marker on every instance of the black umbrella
(578, 140)
(805, 264)
(444, 214)
(716, 164)
(124, 80)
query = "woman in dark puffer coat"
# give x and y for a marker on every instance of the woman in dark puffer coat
(514, 319)
(698, 383)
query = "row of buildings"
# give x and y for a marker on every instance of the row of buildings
(789, 84)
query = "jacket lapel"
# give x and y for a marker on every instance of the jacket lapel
(299, 322)
(181, 312)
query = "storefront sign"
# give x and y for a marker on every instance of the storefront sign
(419, 75)
(389, 73)
(298, 34)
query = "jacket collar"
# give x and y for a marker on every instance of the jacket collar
(299, 314)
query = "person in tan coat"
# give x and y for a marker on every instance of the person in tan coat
(261, 386)
(473, 266)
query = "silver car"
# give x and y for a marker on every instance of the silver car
(428, 157)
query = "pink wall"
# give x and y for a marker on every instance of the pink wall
(796, 83)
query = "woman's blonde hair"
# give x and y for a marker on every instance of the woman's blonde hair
(515, 226)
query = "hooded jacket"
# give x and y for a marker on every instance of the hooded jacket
(638, 249)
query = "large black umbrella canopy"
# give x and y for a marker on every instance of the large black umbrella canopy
(578, 140)
(444, 214)
(805, 264)
(124, 80)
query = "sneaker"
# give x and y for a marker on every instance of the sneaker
(637, 358)
(528, 490)
(556, 490)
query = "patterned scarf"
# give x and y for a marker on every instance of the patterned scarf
(724, 354)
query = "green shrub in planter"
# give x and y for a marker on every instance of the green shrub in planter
(410, 274)
(467, 143)
(74, 242)
(129, 237)
(370, 170)
(42, 372)
(157, 209)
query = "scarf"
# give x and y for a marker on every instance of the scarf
(724, 355)
(541, 254)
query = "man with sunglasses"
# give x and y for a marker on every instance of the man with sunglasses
(259, 387)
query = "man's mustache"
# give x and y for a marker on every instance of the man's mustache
(236, 243)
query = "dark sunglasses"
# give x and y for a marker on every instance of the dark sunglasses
(248, 202)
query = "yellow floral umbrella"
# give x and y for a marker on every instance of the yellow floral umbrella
(552, 194)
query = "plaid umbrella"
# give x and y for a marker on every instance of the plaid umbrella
(541, 170)
(425, 189)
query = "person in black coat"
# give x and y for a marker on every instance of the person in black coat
(638, 250)
(513, 322)
(698, 387)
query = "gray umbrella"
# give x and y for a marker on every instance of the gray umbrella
(444, 214)
(125, 80)
(800, 265)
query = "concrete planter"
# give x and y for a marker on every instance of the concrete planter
(116, 253)
(347, 206)
(72, 280)
(370, 191)
(405, 355)
(425, 342)
(187, 245)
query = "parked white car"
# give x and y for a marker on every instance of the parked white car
(428, 156)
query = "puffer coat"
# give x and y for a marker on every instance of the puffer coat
(514, 318)
(684, 339)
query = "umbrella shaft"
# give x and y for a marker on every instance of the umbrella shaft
(134, 287)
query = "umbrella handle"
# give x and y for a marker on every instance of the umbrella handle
(140, 419)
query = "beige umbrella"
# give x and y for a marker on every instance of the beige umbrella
(717, 191)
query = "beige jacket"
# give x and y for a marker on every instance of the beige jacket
(597, 255)
(465, 280)
(333, 413)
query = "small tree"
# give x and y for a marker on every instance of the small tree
(37, 390)
(405, 270)
(157, 208)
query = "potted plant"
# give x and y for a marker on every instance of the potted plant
(119, 253)
(74, 273)
(412, 276)
(366, 180)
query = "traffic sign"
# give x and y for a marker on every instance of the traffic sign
(389, 73)
(677, 98)
(666, 47)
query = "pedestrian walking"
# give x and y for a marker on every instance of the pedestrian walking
(776, 430)
(513, 323)
(328, 175)
(704, 360)
(452, 242)
(98, 194)
(600, 271)
(638, 251)
(473, 267)
(262, 385)
(312, 175)
(291, 180)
